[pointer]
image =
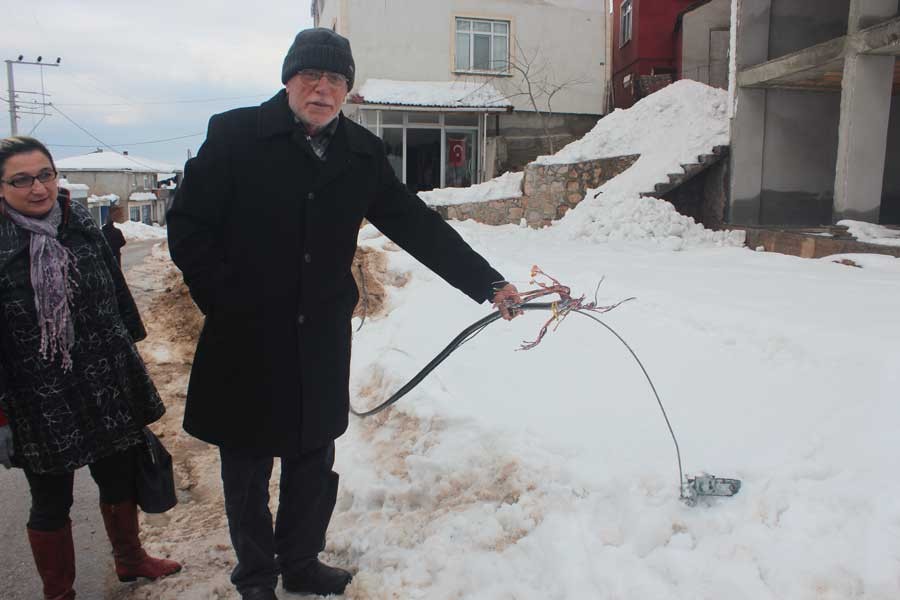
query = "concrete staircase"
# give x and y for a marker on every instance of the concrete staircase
(690, 170)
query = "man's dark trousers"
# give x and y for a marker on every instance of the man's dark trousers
(306, 501)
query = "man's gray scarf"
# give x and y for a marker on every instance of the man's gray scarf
(52, 271)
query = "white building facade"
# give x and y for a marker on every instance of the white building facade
(461, 90)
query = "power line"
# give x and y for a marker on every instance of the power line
(162, 102)
(70, 120)
(172, 139)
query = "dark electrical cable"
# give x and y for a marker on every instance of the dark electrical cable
(477, 327)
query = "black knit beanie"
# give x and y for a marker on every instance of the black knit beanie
(319, 48)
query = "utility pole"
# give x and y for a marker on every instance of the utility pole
(13, 107)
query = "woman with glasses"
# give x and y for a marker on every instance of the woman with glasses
(73, 388)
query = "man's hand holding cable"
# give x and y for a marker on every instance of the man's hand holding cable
(505, 298)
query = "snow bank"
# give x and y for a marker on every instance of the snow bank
(623, 216)
(871, 233)
(674, 126)
(669, 128)
(140, 231)
(508, 185)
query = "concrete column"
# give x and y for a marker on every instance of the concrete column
(865, 116)
(748, 124)
(865, 13)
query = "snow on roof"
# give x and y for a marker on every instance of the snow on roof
(104, 199)
(107, 160)
(141, 196)
(450, 94)
(73, 187)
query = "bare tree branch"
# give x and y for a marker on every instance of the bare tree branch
(534, 79)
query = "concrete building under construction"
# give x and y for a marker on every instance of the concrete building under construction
(816, 127)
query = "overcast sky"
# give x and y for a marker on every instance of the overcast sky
(141, 72)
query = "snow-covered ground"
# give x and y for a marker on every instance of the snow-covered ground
(872, 233)
(551, 474)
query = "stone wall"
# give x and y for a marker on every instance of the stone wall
(549, 192)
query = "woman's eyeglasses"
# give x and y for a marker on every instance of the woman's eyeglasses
(26, 181)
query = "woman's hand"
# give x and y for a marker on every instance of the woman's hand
(6, 446)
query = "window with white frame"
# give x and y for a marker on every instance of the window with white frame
(625, 22)
(482, 45)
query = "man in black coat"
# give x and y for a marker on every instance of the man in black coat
(264, 230)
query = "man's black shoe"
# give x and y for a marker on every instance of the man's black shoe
(315, 577)
(258, 593)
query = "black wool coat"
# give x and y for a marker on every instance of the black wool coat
(265, 233)
(62, 420)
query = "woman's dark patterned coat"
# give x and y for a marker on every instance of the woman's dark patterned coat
(64, 420)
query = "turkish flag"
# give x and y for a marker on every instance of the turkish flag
(456, 151)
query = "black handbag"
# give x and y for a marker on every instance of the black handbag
(155, 477)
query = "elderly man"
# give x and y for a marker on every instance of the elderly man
(264, 229)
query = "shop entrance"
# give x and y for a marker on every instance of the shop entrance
(429, 150)
(423, 159)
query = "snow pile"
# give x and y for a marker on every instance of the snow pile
(871, 233)
(669, 128)
(508, 185)
(141, 231)
(673, 126)
(432, 93)
(627, 217)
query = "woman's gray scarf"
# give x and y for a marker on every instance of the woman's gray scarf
(52, 270)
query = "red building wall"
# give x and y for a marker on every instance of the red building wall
(651, 48)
